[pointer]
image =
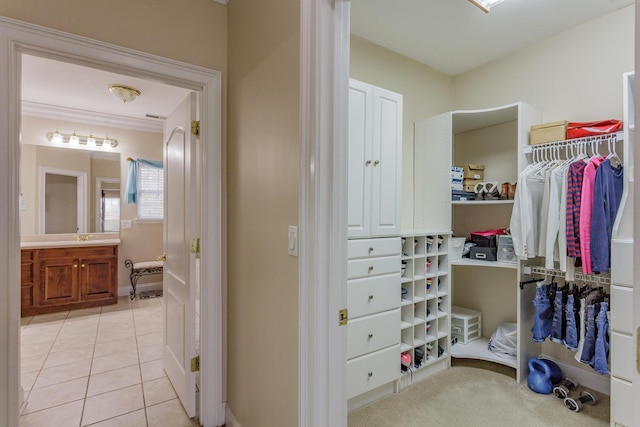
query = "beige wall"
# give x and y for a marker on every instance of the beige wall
(143, 241)
(425, 92)
(576, 75)
(263, 173)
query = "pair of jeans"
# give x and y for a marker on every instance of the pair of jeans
(599, 361)
(581, 327)
(588, 349)
(557, 325)
(542, 314)
(571, 330)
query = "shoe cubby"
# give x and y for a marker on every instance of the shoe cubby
(425, 301)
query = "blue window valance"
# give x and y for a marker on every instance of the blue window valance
(132, 186)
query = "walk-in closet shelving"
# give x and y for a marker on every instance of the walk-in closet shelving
(492, 137)
(425, 303)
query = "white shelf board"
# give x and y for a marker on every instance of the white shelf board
(430, 318)
(418, 299)
(406, 280)
(418, 321)
(431, 338)
(442, 314)
(405, 347)
(442, 334)
(405, 325)
(480, 263)
(482, 202)
(431, 296)
(415, 278)
(405, 302)
(418, 342)
(477, 349)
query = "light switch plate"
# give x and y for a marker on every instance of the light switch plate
(292, 240)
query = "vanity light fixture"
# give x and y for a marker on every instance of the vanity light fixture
(58, 138)
(486, 5)
(124, 93)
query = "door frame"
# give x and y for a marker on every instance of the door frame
(17, 37)
(81, 196)
(98, 195)
(324, 85)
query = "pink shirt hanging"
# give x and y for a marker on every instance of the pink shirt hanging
(586, 208)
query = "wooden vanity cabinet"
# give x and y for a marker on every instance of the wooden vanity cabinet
(68, 278)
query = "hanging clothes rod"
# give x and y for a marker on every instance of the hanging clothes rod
(610, 137)
(601, 279)
(527, 282)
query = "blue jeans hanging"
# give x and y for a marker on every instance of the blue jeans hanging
(571, 332)
(542, 314)
(599, 361)
(557, 326)
(588, 349)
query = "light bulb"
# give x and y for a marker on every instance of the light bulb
(57, 137)
(73, 139)
(91, 140)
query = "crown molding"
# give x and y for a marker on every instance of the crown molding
(223, 1)
(90, 117)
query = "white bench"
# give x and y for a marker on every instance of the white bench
(139, 269)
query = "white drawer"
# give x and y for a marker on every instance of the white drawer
(373, 294)
(622, 356)
(622, 405)
(372, 370)
(369, 267)
(373, 247)
(371, 333)
(622, 313)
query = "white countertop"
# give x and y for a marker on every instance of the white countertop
(67, 240)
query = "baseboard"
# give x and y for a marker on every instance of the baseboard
(585, 378)
(229, 419)
(153, 286)
(371, 396)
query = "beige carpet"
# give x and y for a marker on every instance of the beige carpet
(475, 394)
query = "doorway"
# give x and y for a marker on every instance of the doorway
(35, 41)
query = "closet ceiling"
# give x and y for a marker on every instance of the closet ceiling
(454, 36)
(60, 89)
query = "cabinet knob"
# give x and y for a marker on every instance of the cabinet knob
(75, 265)
(370, 250)
(82, 266)
(370, 336)
(370, 268)
(367, 163)
(370, 374)
(370, 297)
(376, 163)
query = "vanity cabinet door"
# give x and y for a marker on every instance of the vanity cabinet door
(27, 277)
(58, 281)
(97, 278)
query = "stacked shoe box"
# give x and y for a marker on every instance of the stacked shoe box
(457, 190)
(471, 174)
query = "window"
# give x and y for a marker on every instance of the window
(110, 211)
(150, 197)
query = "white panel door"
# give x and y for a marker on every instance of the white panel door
(387, 163)
(179, 267)
(359, 159)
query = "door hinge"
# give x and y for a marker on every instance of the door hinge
(195, 127)
(195, 245)
(343, 316)
(195, 364)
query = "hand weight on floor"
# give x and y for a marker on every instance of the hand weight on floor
(576, 405)
(562, 389)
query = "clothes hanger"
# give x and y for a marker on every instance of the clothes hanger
(612, 150)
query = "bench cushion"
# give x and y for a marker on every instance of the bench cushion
(147, 264)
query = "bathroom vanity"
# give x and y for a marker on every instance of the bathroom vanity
(68, 274)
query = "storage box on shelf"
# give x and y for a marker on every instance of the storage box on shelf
(425, 300)
(466, 324)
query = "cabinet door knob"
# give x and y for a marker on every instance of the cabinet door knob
(370, 336)
(370, 374)
(376, 163)
(367, 163)
(370, 297)
(82, 266)
(75, 265)
(370, 250)
(370, 268)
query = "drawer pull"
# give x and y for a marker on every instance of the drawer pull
(367, 163)
(370, 297)
(370, 336)
(82, 266)
(370, 374)
(75, 265)
(370, 250)
(370, 268)
(376, 163)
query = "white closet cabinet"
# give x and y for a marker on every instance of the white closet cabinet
(494, 137)
(374, 161)
(622, 350)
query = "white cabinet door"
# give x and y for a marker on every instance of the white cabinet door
(387, 162)
(374, 161)
(359, 158)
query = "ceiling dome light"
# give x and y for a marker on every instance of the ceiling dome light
(486, 5)
(124, 93)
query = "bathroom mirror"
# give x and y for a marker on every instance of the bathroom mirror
(65, 190)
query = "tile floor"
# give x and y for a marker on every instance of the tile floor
(98, 367)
